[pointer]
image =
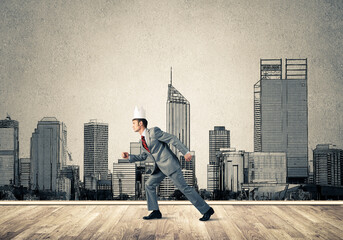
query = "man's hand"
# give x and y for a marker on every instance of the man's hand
(188, 157)
(125, 155)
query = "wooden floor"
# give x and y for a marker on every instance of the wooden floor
(178, 222)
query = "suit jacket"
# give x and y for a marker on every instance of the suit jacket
(158, 144)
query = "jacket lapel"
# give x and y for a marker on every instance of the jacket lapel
(147, 137)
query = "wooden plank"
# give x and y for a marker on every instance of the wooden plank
(284, 225)
(318, 222)
(181, 220)
(306, 214)
(38, 232)
(41, 226)
(108, 226)
(249, 231)
(148, 229)
(271, 220)
(131, 224)
(9, 212)
(227, 223)
(304, 223)
(24, 221)
(102, 214)
(329, 215)
(165, 229)
(279, 234)
(134, 227)
(267, 233)
(73, 222)
(49, 223)
(335, 212)
(263, 215)
(329, 230)
(215, 230)
(199, 229)
(293, 219)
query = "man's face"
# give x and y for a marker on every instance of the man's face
(136, 126)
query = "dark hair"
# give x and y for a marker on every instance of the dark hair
(144, 121)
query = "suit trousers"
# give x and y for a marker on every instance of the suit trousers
(180, 183)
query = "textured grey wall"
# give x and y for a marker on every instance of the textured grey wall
(78, 60)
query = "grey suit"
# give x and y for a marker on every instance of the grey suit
(166, 164)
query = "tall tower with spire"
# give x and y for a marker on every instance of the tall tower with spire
(178, 124)
(178, 115)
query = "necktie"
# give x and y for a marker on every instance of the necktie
(144, 144)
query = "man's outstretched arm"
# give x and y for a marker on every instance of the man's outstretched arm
(171, 139)
(134, 158)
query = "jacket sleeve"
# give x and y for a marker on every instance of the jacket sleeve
(140, 157)
(170, 139)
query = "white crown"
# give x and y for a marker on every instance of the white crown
(139, 113)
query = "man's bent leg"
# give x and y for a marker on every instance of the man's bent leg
(190, 193)
(150, 190)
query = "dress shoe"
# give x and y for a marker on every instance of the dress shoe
(154, 214)
(207, 215)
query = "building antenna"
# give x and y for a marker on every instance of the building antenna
(171, 76)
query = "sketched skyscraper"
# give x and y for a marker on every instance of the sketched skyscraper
(95, 152)
(24, 172)
(48, 153)
(9, 152)
(124, 179)
(328, 165)
(178, 124)
(219, 138)
(281, 114)
(178, 116)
